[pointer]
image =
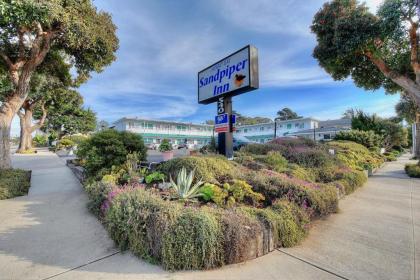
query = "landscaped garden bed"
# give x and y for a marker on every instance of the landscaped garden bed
(14, 182)
(202, 212)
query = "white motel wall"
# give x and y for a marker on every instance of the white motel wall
(305, 127)
(154, 131)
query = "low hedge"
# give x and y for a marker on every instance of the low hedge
(14, 182)
(317, 199)
(356, 156)
(412, 170)
(185, 238)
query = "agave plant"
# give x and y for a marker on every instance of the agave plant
(184, 189)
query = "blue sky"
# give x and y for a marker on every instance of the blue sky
(163, 44)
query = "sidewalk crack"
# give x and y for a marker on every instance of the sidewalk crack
(83, 265)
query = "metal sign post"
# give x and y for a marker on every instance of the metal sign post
(225, 129)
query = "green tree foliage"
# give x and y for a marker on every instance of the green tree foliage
(392, 133)
(407, 109)
(375, 50)
(109, 148)
(287, 114)
(30, 30)
(244, 120)
(369, 139)
(66, 114)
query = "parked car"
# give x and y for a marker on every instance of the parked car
(153, 146)
(240, 141)
(187, 146)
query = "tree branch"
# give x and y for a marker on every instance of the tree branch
(406, 83)
(7, 60)
(414, 50)
(41, 122)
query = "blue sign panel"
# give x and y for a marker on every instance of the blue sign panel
(221, 119)
(233, 119)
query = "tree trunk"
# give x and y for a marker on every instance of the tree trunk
(416, 145)
(7, 112)
(25, 143)
(26, 126)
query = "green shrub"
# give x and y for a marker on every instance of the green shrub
(137, 219)
(109, 148)
(310, 158)
(355, 156)
(40, 140)
(97, 193)
(212, 169)
(412, 170)
(274, 160)
(285, 220)
(294, 170)
(366, 138)
(352, 180)
(193, 241)
(77, 139)
(165, 146)
(14, 182)
(317, 199)
(155, 177)
(232, 194)
(65, 144)
(293, 226)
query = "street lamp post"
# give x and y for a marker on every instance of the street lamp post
(275, 128)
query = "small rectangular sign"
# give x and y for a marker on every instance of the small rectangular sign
(221, 129)
(233, 119)
(221, 119)
(233, 75)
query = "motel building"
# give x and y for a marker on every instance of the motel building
(154, 131)
(305, 127)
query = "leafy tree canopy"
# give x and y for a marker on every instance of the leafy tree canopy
(66, 114)
(83, 35)
(244, 120)
(375, 50)
(407, 109)
(287, 114)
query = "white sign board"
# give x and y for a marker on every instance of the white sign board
(233, 75)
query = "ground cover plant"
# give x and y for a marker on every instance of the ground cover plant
(14, 182)
(413, 170)
(203, 211)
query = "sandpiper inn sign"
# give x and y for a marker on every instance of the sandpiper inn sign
(233, 75)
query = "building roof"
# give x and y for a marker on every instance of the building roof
(336, 123)
(318, 130)
(161, 121)
(278, 122)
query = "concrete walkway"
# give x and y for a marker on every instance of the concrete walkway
(49, 234)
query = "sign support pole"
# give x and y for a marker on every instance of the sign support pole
(225, 139)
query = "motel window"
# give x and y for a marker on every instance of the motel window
(245, 130)
(262, 128)
(296, 125)
(289, 126)
(238, 131)
(327, 136)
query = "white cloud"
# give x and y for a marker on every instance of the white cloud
(373, 4)
(270, 16)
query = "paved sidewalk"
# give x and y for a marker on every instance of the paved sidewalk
(49, 234)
